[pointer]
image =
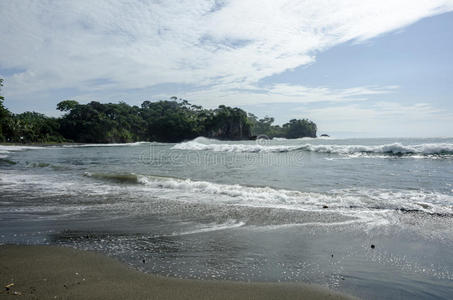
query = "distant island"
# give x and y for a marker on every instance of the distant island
(171, 120)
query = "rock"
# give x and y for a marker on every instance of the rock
(372, 246)
(325, 206)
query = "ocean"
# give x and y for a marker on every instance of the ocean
(369, 217)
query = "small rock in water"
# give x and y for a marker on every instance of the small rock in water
(372, 246)
(325, 206)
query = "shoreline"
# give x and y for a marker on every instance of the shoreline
(38, 272)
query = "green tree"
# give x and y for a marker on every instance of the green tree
(300, 128)
(5, 115)
(33, 127)
(67, 105)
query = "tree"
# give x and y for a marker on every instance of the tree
(292, 129)
(263, 126)
(4, 114)
(166, 121)
(67, 105)
(300, 128)
(228, 123)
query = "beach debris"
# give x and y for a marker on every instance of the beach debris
(8, 286)
(325, 206)
(373, 246)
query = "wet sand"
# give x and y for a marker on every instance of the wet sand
(50, 272)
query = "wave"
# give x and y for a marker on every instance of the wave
(5, 150)
(108, 145)
(46, 165)
(305, 138)
(220, 202)
(282, 198)
(395, 149)
(119, 178)
(364, 204)
(390, 149)
(4, 161)
(204, 144)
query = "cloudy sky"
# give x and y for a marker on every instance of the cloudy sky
(355, 67)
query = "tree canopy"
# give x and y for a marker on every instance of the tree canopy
(291, 130)
(171, 120)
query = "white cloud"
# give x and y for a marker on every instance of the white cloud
(381, 119)
(283, 93)
(228, 46)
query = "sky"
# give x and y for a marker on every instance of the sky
(358, 68)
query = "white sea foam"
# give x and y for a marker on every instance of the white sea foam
(395, 148)
(210, 227)
(387, 149)
(213, 145)
(6, 149)
(107, 145)
(370, 206)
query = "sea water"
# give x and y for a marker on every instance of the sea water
(302, 210)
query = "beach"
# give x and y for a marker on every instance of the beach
(370, 218)
(50, 272)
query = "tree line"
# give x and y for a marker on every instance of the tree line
(171, 120)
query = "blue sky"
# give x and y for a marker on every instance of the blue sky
(357, 68)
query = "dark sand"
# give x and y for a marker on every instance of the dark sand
(49, 272)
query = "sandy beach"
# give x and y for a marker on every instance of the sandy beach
(50, 272)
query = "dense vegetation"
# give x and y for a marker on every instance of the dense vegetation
(166, 121)
(291, 130)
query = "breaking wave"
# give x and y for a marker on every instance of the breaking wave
(395, 149)
(365, 205)
(108, 145)
(390, 149)
(254, 205)
(119, 178)
(5, 150)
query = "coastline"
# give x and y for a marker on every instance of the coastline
(58, 272)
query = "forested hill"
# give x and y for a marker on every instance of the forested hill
(164, 121)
